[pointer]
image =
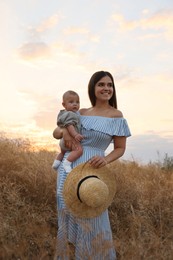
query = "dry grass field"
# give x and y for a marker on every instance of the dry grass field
(141, 214)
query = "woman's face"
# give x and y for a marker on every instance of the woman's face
(104, 89)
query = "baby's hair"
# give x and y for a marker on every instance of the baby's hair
(69, 92)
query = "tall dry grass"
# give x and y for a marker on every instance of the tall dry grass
(141, 214)
(28, 202)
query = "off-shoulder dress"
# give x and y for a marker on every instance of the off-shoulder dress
(92, 237)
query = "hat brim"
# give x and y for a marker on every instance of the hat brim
(73, 204)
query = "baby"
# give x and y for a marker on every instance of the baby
(70, 119)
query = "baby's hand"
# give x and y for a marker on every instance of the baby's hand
(79, 137)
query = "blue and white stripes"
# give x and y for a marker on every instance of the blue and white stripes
(113, 126)
(92, 238)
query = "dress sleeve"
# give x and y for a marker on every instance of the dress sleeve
(67, 118)
(121, 128)
(110, 126)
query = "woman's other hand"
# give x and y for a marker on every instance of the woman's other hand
(69, 141)
(98, 161)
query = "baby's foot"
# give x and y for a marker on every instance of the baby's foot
(56, 164)
(67, 166)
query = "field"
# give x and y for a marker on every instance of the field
(141, 214)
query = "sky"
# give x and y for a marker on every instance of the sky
(48, 47)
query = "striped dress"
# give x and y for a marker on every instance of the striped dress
(92, 237)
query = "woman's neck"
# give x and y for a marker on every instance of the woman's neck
(100, 109)
(102, 105)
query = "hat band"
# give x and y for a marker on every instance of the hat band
(81, 181)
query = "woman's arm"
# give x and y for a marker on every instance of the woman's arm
(118, 151)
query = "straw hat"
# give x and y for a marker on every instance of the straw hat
(89, 191)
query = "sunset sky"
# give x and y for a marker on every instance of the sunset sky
(48, 47)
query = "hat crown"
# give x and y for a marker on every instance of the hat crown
(93, 192)
(89, 191)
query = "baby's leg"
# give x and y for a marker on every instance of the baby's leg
(58, 160)
(74, 154)
(60, 156)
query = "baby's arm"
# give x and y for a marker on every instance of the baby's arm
(72, 131)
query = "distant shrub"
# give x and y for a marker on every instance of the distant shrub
(167, 163)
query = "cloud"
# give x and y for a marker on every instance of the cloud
(69, 43)
(37, 136)
(75, 30)
(45, 120)
(34, 50)
(37, 125)
(161, 24)
(46, 116)
(123, 24)
(81, 30)
(60, 53)
(67, 49)
(36, 32)
(47, 108)
(148, 148)
(48, 23)
(161, 19)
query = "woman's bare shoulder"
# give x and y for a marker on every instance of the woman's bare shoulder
(116, 113)
(83, 111)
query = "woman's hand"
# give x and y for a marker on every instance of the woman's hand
(98, 161)
(69, 141)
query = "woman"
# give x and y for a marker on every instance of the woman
(102, 124)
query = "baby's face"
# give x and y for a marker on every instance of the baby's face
(71, 103)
